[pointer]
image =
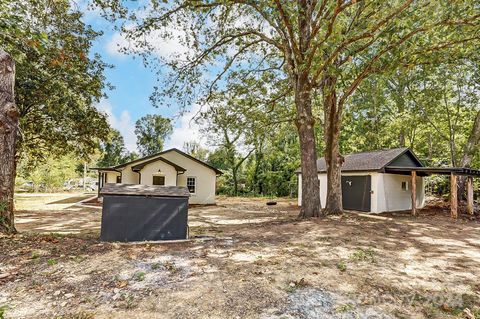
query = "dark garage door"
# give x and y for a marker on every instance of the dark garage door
(356, 192)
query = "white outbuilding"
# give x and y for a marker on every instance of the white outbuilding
(376, 182)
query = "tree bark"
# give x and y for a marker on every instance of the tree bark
(333, 159)
(308, 151)
(472, 144)
(8, 138)
(469, 150)
(257, 188)
(235, 181)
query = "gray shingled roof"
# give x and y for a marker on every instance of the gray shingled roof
(154, 157)
(144, 190)
(365, 161)
(143, 164)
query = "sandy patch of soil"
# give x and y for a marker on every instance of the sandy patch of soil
(258, 261)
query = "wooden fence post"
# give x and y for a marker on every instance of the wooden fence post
(453, 196)
(470, 195)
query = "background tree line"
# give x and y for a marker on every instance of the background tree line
(434, 110)
(343, 75)
(311, 57)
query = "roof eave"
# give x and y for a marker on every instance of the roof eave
(110, 169)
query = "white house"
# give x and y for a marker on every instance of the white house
(378, 181)
(168, 168)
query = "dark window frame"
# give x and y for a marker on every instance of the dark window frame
(192, 187)
(161, 177)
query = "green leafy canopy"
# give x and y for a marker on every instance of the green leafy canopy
(58, 80)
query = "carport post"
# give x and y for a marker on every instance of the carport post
(453, 195)
(99, 182)
(470, 195)
(414, 193)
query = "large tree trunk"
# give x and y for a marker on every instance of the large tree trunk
(305, 122)
(469, 151)
(257, 189)
(472, 144)
(308, 151)
(333, 158)
(8, 139)
(235, 181)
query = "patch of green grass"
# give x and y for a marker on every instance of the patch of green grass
(344, 308)
(363, 255)
(35, 255)
(342, 266)
(289, 289)
(139, 276)
(79, 259)
(3, 310)
(476, 312)
(156, 266)
(51, 262)
(128, 302)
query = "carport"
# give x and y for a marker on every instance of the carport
(142, 212)
(454, 172)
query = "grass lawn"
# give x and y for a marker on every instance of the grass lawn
(249, 261)
(57, 213)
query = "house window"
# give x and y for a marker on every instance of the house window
(119, 179)
(405, 186)
(191, 184)
(159, 180)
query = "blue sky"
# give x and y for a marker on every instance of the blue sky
(133, 85)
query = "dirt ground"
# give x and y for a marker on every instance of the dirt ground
(247, 260)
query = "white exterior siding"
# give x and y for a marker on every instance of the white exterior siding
(129, 176)
(387, 194)
(112, 177)
(166, 170)
(391, 197)
(205, 178)
(323, 190)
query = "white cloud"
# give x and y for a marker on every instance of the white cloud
(167, 44)
(186, 130)
(91, 13)
(123, 124)
(116, 42)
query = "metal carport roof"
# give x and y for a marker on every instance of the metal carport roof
(434, 170)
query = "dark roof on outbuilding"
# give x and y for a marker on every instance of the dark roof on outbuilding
(374, 160)
(144, 190)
